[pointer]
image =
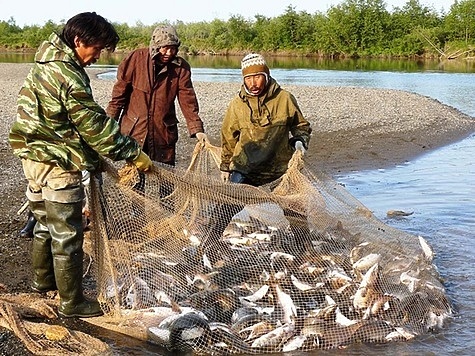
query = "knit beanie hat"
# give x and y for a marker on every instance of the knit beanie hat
(163, 36)
(254, 63)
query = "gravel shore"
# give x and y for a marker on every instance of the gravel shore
(353, 128)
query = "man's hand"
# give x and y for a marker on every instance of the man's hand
(143, 162)
(202, 137)
(225, 176)
(299, 147)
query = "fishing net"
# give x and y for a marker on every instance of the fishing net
(190, 263)
(21, 313)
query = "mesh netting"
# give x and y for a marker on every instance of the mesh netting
(20, 314)
(191, 263)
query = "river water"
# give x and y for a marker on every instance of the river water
(438, 188)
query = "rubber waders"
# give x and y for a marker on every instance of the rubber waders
(42, 258)
(66, 229)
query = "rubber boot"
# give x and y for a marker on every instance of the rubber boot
(41, 255)
(27, 231)
(66, 229)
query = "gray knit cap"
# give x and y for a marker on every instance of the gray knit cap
(163, 36)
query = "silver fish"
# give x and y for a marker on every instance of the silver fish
(275, 337)
(287, 304)
(427, 251)
(226, 341)
(189, 332)
(398, 213)
(294, 343)
(366, 291)
(366, 262)
(256, 330)
(256, 296)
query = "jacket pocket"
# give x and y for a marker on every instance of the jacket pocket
(171, 125)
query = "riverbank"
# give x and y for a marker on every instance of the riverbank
(354, 129)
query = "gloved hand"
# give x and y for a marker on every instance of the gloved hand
(143, 162)
(201, 136)
(225, 176)
(299, 147)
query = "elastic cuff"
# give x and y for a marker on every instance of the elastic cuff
(293, 141)
(31, 196)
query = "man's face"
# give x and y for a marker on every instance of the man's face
(87, 55)
(167, 53)
(255, 84)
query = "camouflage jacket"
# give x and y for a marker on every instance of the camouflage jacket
(258, 133)
(58, 120)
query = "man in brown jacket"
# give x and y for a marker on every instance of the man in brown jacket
(143, 98)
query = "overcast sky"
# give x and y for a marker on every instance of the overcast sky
(37, 12)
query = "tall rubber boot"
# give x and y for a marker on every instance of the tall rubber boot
(41, 255)
(27, 231)
(66, 229)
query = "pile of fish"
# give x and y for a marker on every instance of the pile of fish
(264, 289)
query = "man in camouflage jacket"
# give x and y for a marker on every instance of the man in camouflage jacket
(61, 131)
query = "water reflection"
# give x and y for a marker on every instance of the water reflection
(295, 62)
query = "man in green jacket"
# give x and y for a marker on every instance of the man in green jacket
(262, 127)
(60, 131)
(256, 147)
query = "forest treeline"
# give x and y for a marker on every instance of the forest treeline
(353, 28)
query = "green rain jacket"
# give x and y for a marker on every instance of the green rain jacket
(255, 133)
(58, 120)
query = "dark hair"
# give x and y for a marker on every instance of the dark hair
(92, 29)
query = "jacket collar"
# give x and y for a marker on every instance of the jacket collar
(257, 104)
(55, 49)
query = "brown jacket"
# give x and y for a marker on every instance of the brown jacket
(145, 107)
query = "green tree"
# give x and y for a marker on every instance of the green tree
(460, 22)
(196, 37)
(374, 30)
(10, 33)
(133, 37)
(359, 27)
(240, 33)
(351, 28)
(287, 29)
(410, 29)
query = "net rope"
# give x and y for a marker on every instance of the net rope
(24, 313)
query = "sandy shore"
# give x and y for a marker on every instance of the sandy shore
(354, 128)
